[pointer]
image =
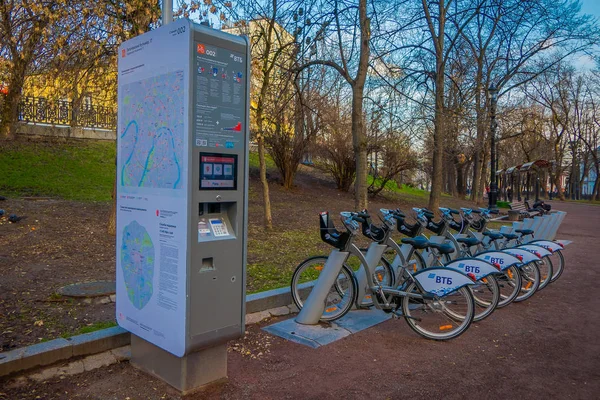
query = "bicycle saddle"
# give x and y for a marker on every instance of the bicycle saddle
(510, 236)
(524, 232)
(418, 242)
(469, 241)
(443, 248)
(493, 235)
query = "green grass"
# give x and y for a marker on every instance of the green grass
(96, 326)
(272, 262)
(392, 186)
(254, 162)
(72, 171)
(502, 204)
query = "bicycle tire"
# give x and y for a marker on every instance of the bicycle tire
(343, 292)
(557, 268)
(486, 286)
(509, 284)
(546, 267)
(447, 327)
(530, 273)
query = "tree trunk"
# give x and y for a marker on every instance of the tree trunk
(112, 220)
(460, 180)
(10, 106)
(265, 185)
(359, 136)
(479, 141)
(359, 142)
(438, 139)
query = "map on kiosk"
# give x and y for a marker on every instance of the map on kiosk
(151, 143)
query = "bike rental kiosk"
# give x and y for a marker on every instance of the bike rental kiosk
(182, 193)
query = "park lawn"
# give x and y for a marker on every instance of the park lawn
(84, 171)
(81, 171)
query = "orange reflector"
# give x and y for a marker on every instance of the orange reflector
(510, 274)
(529, 285)
(445, 327)
(368, 297)
(319, 268)
(483, 280)
(415, 268)
(544, 277)
(380, 277)
(330, 309)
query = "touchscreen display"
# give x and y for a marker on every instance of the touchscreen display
(218, 171)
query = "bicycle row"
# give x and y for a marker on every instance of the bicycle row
(440, 284)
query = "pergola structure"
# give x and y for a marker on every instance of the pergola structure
(524, 180)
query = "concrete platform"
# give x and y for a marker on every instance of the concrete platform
(322, 334)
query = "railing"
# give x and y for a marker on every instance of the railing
(40, 110)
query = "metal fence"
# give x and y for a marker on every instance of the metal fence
(41, 110)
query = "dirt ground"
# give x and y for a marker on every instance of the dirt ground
(65, 242)
(546, 347)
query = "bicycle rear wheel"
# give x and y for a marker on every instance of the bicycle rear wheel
(486, 294)
(442, 318)
(510, 285)
(341, 296)
(530, 273)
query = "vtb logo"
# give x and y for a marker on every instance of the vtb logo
(200, 48)
(123, 53)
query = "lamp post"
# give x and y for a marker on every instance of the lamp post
(167, 12)
(493, 195)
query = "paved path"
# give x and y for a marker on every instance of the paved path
(545, 348)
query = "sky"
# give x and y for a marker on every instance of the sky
(591, 7)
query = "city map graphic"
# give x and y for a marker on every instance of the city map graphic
(137, 263)
(152, 134)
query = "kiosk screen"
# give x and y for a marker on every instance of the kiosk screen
(218, 171)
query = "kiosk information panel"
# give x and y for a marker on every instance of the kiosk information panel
(182, 173)
(152, 189)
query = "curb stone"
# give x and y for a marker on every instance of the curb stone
(121, 354)
(259, 306)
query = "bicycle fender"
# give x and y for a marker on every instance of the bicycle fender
(504, 260)
(563, 242)
(441, 281)
(479, 268)
(536, 249)
(547, 244)
(526, 256)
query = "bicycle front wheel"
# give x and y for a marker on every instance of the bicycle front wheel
(442, 318)
(509, 284)
(558, 265)
(546, 267)
(383, 275)
(530, 273)
(486, 294)
(341, 296)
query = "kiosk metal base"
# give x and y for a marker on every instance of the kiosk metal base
(187, 373)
